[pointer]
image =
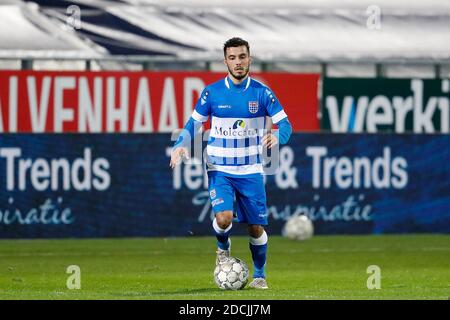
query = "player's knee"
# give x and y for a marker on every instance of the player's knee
(255, 230)
(224, 219)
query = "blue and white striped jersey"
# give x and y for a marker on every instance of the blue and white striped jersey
(238, 114)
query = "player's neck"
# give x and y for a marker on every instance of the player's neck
(237, 81)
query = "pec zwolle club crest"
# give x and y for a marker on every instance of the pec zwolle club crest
(253, 106)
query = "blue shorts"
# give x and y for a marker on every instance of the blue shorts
(249, 192)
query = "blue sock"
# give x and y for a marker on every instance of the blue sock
(258, 247)
(222, 235)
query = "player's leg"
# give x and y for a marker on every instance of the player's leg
(222, 224)
(221, 195)
(251, 201)
(258, 248)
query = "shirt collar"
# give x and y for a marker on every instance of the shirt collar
(243, 85)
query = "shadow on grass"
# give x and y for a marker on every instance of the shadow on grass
(200, 291)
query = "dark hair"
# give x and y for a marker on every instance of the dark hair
(235, 42)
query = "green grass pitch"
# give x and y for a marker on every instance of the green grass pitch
(324, 267)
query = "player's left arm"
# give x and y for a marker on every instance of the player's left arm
(284, 131)
(278, 117)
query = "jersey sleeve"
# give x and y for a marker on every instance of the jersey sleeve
(199, 115)
(284, 131)
(202, 108)
(273, 106)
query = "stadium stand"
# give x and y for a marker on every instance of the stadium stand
(412, 38)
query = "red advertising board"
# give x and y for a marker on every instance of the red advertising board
(64, 101)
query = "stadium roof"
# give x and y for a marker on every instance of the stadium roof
(321, 30)
(25, 32)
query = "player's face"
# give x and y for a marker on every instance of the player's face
(238, 62)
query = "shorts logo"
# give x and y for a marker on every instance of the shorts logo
(253, 106)
(212, 193)
(216, 202)
(263, 214)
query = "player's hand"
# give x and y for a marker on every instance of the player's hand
(177, 155)
(269, 140)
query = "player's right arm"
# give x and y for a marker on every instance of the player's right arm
(199, 115)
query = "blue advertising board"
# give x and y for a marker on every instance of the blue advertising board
(104, 185)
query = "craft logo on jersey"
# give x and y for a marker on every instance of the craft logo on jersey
(253, 106)
(212, 193)
(239, 124)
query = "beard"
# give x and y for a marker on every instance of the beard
(239, 76)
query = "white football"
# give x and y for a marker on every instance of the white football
(231, 274)
(298, 228)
